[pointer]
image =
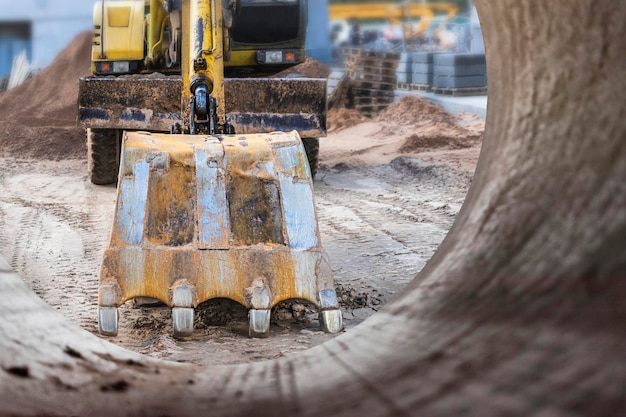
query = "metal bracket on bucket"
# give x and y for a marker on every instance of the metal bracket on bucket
(200, 217)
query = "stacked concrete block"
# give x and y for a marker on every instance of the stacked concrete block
(404, 70)
(415, 71)
(459, 73)
(422, 69)
(372, 77)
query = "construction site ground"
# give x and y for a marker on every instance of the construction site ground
(387, 192)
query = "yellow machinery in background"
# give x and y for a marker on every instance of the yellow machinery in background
(222, 205)
(414, 17)
(396, 11)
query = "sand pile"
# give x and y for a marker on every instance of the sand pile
(339, 119)
(414, 110)
(423, 141)
(432, 126)
(412, 127)
(309, 68)
(38, 118)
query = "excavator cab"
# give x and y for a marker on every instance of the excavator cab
(223, 204)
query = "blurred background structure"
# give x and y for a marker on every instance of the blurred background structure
(33, 32)
(405, 26)
(40, 29)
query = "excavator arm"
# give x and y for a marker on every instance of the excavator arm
(203, 213)
(203, 103)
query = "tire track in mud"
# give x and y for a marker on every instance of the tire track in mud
(377, 224)
(52, 234)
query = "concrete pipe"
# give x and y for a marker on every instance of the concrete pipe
(522, 310)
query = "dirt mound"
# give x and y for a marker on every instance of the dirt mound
(38, 118)
(339, 119)
(420, 142)
(411, 127)
(432, 127)
(414, 110)
(309, 68)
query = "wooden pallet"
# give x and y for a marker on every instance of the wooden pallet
(370, 92)
(372, 78)
(359, 100)
(355, 60)
(386, 55)
(373, 85)
(373, 71)
(370, 109)
(467, 91)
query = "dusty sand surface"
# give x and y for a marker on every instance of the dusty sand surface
(377, 220)
(387, 193)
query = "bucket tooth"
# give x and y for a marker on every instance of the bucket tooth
(107, 321)
(259, 323)
(182, 321)
(182, 296)
(331, 319)
(201, 217)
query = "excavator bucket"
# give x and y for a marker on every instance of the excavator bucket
(201, 217)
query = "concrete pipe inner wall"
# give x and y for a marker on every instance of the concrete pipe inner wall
(522, 310)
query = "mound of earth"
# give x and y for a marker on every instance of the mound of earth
(415, 110)
(339, 119)
(419, 142)
(412, 126)
(433, 127)
(39, 117)
(309, 68)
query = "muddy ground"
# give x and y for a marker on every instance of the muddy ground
(387, 192)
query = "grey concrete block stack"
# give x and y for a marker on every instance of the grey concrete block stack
(443, 73)
(422, 68)
(458, 73)
(415, 71)
(404, 70)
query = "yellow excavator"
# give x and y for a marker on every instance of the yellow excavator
(214, 184)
